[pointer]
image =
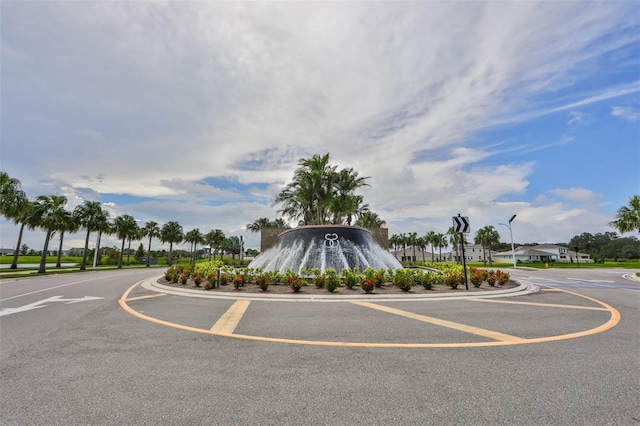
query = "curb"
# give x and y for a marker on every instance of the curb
(523, 289)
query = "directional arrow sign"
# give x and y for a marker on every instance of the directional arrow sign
(461, 224)
(44, 302)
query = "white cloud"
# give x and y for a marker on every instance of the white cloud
(627, 113)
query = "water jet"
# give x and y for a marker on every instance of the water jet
(322, 247)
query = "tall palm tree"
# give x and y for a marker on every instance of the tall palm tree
(345, 204)
(486, 237)
(370, 220)
(68, 224)
(14, 205)
(91, 217)
(628, 217)
(193, 237)
(135, 235)
(279, 223)
(394, 241)
(456, 239)
(258, 224)
(104, 227)
(319, 194)
(150, 230)
(214, 240)
(413, 241)
(171, 233)
(421, 242)
(431, 240)
(125, 226)
(48, 214)
(441, 242)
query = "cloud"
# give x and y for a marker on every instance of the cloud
(627, 113)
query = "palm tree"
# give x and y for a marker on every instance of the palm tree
(104, 227)
(214, 239)
(68, 224)
(628, 217)
(370, 220)
(456, 239)
(319, 194)
(279, 223)
(404, 240)
(258, 224)
(92, 217)
(345, 204)
(431, 239)
(194, 237)
(486, 237)
(231, 245)
(412, 239)
(441, 242)
(422, 243)
(135, 235)
(125, 226)
(151, 230)
(48, 214)
(14, 205)
(171, 233)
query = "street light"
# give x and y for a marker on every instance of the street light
(513, 251)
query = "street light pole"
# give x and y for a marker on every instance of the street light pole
(513, 251)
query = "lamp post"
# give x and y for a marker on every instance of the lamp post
(513, 251)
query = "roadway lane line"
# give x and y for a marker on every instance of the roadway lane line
(149, 296)
(230, 319)
(550, 305)
(444, 323)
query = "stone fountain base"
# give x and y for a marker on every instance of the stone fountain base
(322, 247)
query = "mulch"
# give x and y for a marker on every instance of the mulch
(387, 288)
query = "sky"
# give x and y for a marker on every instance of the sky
(199, 112)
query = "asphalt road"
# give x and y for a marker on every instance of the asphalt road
(71, 355)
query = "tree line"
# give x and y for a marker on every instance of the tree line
(49, 213)
(486, 237)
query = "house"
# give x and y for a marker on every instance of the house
(546, 253)
(7, 251)
(414, 254)
(472, 253)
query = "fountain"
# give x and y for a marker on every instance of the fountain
(322, 247)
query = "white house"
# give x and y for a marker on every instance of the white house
(7, 251)
(546, 253)
(472, 253)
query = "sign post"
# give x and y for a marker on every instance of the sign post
(461, 226)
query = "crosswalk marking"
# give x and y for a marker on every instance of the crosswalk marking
(230, 319)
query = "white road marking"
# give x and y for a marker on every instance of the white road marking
(41, 304)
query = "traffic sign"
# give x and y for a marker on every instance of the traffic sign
(461, 224)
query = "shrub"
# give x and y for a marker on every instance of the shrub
(403, 279)
(502, 277)
(476, 278)
(197, 278)
(367, 285)
(491, 279)
(331, 280)
(452, 279)
(351, 277)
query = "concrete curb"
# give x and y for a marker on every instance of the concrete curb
(524, 288)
